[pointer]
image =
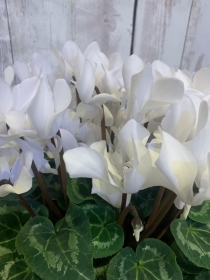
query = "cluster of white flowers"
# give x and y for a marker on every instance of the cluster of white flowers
(127, 125)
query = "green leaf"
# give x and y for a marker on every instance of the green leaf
(13, 266)
(13, 216)
(205, 275)
(63, 252)
(201, 213)
(185, 264)
(107, 235)
(153, 260)
(194, 240)
(144, 200)
(79, 189)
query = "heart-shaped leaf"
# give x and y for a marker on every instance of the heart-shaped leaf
(79, 189)
(194, 240)
(185, 264)
(13, 216)
(63, 252)
(13, 267)
(107, 235)
(153, 260)
(201, 213)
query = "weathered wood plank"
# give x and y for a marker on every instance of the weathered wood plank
(161, 29)
(197, 47)
(106, 21)
(5, 45)
(35, 24)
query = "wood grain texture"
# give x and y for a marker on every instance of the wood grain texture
(5, 44)
(107, 22)
(161, 28)
(197, 47)
(35, 24)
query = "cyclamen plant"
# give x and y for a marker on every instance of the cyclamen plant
(105, 169)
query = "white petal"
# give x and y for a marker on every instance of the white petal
(24, 93)
(132, 66)
(163, 68)
(62, 95)
(92, 47)
(108, 116)
(88, 111)
(41, 108)
(201, 80)
(109, 193)
(5, 97)
(21, 70)
(180, 119)
(16, 121)
(115, 61)
(178, 165)
(9, 75)
(24, 182)
(87, 163)
(86, 82)
(68, 140)
(130, 129)
(6, 189)
(102, 98)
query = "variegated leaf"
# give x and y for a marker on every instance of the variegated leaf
(153, 260)
(63, 252)
(194, 240)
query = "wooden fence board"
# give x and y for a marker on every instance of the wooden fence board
(108, 22)
(5, 44)
(35, 24)
(197, 47)
(161, 29)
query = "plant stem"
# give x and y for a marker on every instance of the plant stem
(146, 124)
(26, 205)
(45, 192)
(166, 205)
(155, 208)
(103, 126)
(62, 167)
(173, 216)
(123, 203)
(125, 212)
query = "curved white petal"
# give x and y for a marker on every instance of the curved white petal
(102, 98)
(86, 82)
(178, 165)
(132, 66)
(201, 80)
(62, 95)
(41, 108)
(180, 119)
(128, 131)
(24, 93)
(109, 193)
(68, 140)
(5, 97)
(88, 111)
(163, 68)
(9, 75)
(21, 70)
(23, 183)
(87, 163)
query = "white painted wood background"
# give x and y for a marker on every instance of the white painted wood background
(175, 31)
